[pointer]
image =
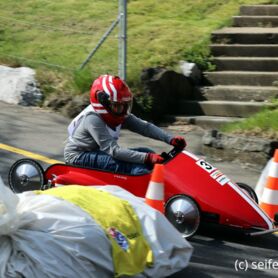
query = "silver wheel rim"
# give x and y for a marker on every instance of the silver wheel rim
(184, 214)
(26, 176)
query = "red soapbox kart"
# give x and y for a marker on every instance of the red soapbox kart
(194, 191)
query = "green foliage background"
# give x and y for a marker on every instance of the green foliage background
(160, 33)
(45, 33)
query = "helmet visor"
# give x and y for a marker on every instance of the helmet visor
(121, 108)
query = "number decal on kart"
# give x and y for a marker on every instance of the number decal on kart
(222, 180)
(220, 177)
(205, 165)
(217, 175)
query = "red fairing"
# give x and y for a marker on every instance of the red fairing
(71, 175)
(213, 191)
(185, 174)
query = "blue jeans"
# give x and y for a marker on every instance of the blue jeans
(103, 161)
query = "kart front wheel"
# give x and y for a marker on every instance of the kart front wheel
(183, 212)
(248, 190)
(26, 175)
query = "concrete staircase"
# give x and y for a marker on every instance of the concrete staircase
(246, 59)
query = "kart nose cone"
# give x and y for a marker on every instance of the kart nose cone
(25, 175)
(184, 214)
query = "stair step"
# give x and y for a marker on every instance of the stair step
(255, 21)
(249, 78)
(245, 35)
(259, 10)
(246, 63)
(246, 50)
(221, 108)
(246, 58)
(239, 93)
(203, 121)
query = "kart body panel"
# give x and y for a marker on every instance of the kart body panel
(219, 199)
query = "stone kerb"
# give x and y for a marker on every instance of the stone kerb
(231, 147)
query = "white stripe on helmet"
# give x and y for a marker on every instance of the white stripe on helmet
(104, 86)
(98, 108)
(113, 88)
(97, 105)
(102, 111)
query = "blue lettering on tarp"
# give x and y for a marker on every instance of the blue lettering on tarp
(119, 238)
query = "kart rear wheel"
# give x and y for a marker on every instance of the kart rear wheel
(26, 175)
(248, 190)
(184, 214)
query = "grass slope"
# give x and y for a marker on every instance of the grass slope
(159, 32)
(263, 124)
(43, 33)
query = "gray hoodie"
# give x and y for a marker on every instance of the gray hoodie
(92, 134)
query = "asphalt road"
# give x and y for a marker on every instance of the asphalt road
(218, 252)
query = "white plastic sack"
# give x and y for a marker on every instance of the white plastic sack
(172, 252)
(53, 239)
(43, 236)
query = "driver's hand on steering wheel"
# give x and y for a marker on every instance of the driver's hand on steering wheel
(178, 142)
(153, 158)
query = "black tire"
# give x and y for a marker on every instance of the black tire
(26, 175)
(184, 220)
(250, 191)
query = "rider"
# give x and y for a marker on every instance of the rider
(93, 134)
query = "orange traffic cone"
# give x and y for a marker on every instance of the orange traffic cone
(155, 192)
(269, 201)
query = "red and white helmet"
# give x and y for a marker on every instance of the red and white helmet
(111, 97)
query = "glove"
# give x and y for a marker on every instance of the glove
(178, 142)
(153, 158)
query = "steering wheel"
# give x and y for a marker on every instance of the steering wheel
(171, 154)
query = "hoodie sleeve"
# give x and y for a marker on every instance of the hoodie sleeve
(97, 129)
(146, 129)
